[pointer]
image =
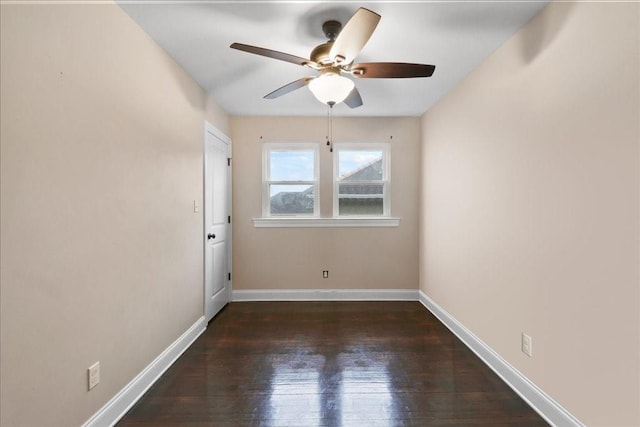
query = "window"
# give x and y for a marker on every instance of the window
(290, 179)
(361, 186)
(361, 180)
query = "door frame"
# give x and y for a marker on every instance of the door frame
(211, 129)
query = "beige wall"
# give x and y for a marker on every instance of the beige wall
(101, 145)
(530, 206)
(293, 258)
(215, 115)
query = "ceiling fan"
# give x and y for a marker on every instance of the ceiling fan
(335, 57)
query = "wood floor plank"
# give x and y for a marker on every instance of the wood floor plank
(329, 364)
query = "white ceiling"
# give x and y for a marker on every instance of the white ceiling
(454, 36)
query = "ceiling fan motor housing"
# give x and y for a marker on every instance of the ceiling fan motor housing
(320, 54)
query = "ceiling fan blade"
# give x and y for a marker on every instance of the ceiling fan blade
(394, 70)
(354, 99)
(290, 87)
(354, 36)
(273, 54)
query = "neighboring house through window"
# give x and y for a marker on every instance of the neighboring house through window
(290, 179)
(361, 180)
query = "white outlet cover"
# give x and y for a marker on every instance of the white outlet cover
(527, 345)
(94, 375)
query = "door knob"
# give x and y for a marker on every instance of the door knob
(211, 236)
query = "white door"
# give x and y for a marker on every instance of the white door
(217, 235)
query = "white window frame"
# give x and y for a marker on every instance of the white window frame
(385, 147)
(267, 149)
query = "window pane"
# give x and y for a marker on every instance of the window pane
(291, 199)
(361, 199)
(358, 165)
(294, 165)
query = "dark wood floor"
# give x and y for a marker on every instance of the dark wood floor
(329, 364)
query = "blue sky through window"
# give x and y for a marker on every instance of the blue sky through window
(292, 165)
(352, 160)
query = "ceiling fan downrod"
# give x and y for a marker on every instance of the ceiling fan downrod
(331, 29)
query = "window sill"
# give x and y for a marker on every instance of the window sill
(325, 222)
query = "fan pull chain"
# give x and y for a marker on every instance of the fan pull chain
(330, 128)
(328, 119)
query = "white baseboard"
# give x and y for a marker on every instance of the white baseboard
(325, 295)
(118, 406)
(543, 404)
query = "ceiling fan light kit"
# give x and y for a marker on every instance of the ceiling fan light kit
(331, 88)
(335, 57)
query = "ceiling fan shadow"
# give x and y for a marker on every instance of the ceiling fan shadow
(309, 27)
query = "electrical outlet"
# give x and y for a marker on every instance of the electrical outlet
(527, 345)
(325, 274)
(94, 375)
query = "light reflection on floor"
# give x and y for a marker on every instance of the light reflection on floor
(366, 397)
(358, 392)
(295, 392)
